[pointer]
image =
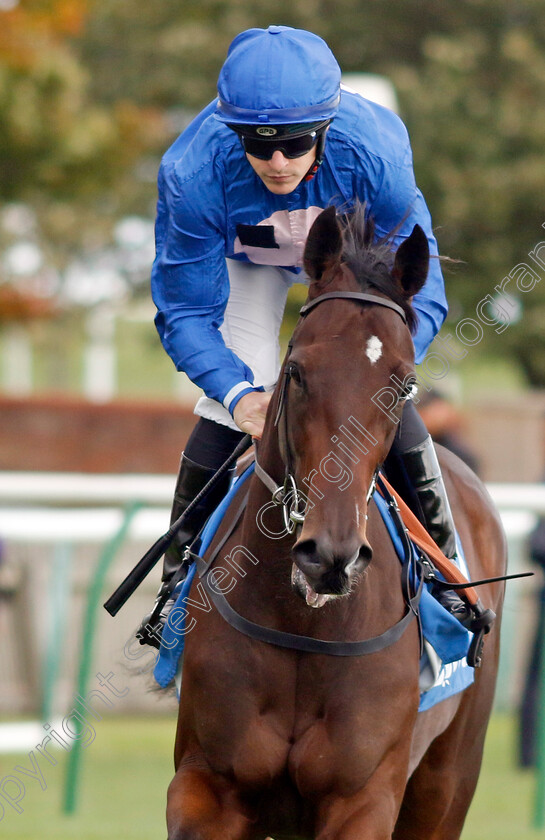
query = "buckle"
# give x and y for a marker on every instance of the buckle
(480, 625)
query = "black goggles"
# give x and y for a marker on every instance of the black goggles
(291, 147)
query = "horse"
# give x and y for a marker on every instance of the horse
(276, 742)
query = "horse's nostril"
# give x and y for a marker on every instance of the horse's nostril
(318, 558)
(365, 554)
(306, 553)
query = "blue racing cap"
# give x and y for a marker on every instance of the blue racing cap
(278, 76)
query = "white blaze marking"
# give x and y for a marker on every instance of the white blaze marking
(374, 349)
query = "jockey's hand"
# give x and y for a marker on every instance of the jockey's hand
(250, 411)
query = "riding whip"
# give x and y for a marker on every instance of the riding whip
(153, 554)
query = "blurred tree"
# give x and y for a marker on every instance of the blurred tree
(63, 151)
(93, 91)
(19, 307)
(474, 106)
(471, 80)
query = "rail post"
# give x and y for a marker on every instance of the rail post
(59, 589)
(94, 596)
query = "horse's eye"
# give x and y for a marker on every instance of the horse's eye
(294, 373)
(410, 390)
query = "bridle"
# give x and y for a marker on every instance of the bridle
(288, 495)
(294, 503)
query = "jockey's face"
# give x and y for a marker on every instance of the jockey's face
(281, 175)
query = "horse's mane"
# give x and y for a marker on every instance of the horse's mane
(372, 262)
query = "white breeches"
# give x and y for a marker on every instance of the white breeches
(250, 329)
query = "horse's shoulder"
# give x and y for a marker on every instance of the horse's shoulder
(230, 520)
(469, 496)
(244, 462)
(457, 473)
(456, 469)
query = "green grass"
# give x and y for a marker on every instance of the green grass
(124, 776)
(503, 806)
(127, 768)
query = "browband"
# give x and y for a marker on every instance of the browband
(357, 296)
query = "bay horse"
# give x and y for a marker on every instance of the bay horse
(279, 743)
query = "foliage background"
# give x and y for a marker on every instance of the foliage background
(93, 91)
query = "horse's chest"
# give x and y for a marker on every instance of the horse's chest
(316, 761)
(318, 723)
(340, 750)
(322, 741)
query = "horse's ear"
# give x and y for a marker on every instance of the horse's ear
(324, 244)
(412, 261)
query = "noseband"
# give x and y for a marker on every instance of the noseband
(288, 495)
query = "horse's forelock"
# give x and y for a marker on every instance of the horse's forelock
(372, 261)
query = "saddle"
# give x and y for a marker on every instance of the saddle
(450, 576)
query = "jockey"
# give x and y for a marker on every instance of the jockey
(238, 193)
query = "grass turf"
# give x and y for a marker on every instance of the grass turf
(126, 770)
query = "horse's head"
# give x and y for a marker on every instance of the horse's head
(348, 371)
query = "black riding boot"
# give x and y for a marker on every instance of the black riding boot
(424, 472)
(192, 478)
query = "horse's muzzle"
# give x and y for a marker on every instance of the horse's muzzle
(331, 570)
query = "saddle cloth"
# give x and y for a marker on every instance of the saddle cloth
(443, 667)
